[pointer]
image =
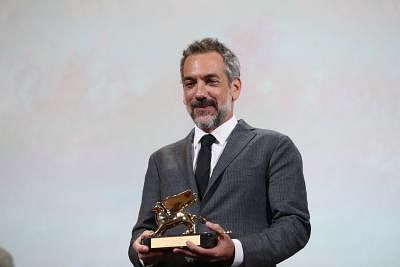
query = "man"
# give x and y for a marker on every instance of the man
(253, 184)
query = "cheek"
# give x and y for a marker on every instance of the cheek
(221, 98)
(215, 95)
(186, 98)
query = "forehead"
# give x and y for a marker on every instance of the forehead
(202, 64)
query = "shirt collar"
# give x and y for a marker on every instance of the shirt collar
(221, 133)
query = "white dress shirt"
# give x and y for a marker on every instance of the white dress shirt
(221, 135)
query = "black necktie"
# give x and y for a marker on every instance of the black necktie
(203, 163)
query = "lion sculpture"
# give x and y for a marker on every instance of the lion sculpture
(171, 212)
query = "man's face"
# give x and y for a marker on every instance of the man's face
(207, 93)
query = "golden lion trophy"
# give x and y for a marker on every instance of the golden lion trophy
(170, 213)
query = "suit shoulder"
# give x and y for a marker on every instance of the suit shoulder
(170, 148)
(270, 138)
(262, 132)
(269, 133)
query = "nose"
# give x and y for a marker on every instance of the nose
(201, 91)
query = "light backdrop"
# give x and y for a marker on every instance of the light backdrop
(89, 89)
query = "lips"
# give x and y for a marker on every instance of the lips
(204, 106)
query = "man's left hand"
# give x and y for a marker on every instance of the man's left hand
(224, 251)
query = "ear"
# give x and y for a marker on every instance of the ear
(236, 86)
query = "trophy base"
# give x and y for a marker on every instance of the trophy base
(205, 240)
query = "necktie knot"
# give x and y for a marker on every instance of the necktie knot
(207, 140)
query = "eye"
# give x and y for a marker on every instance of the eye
(212, 82)
(189, 84)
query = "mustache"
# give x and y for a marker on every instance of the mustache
(203, 103)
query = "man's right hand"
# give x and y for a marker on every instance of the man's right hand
(144, 253)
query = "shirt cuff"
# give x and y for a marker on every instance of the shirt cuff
(238, 259)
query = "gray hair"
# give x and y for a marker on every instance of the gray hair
(206, 45)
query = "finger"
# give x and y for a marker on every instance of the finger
(197, 249)
(143, 235)
(146, 233)
(138, 242)
(142, 249)
(184, 252)
(216, 228)
(139, 248)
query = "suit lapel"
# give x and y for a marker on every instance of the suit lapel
(185, 165)
(185, 162)
(237, 141)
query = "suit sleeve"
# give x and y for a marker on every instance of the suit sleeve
(150, 195)
(290, 227)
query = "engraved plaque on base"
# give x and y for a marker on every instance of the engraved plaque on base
(205, 240)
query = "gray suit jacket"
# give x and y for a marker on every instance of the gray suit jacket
(257, 190)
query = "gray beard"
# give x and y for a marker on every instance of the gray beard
(212, 122)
